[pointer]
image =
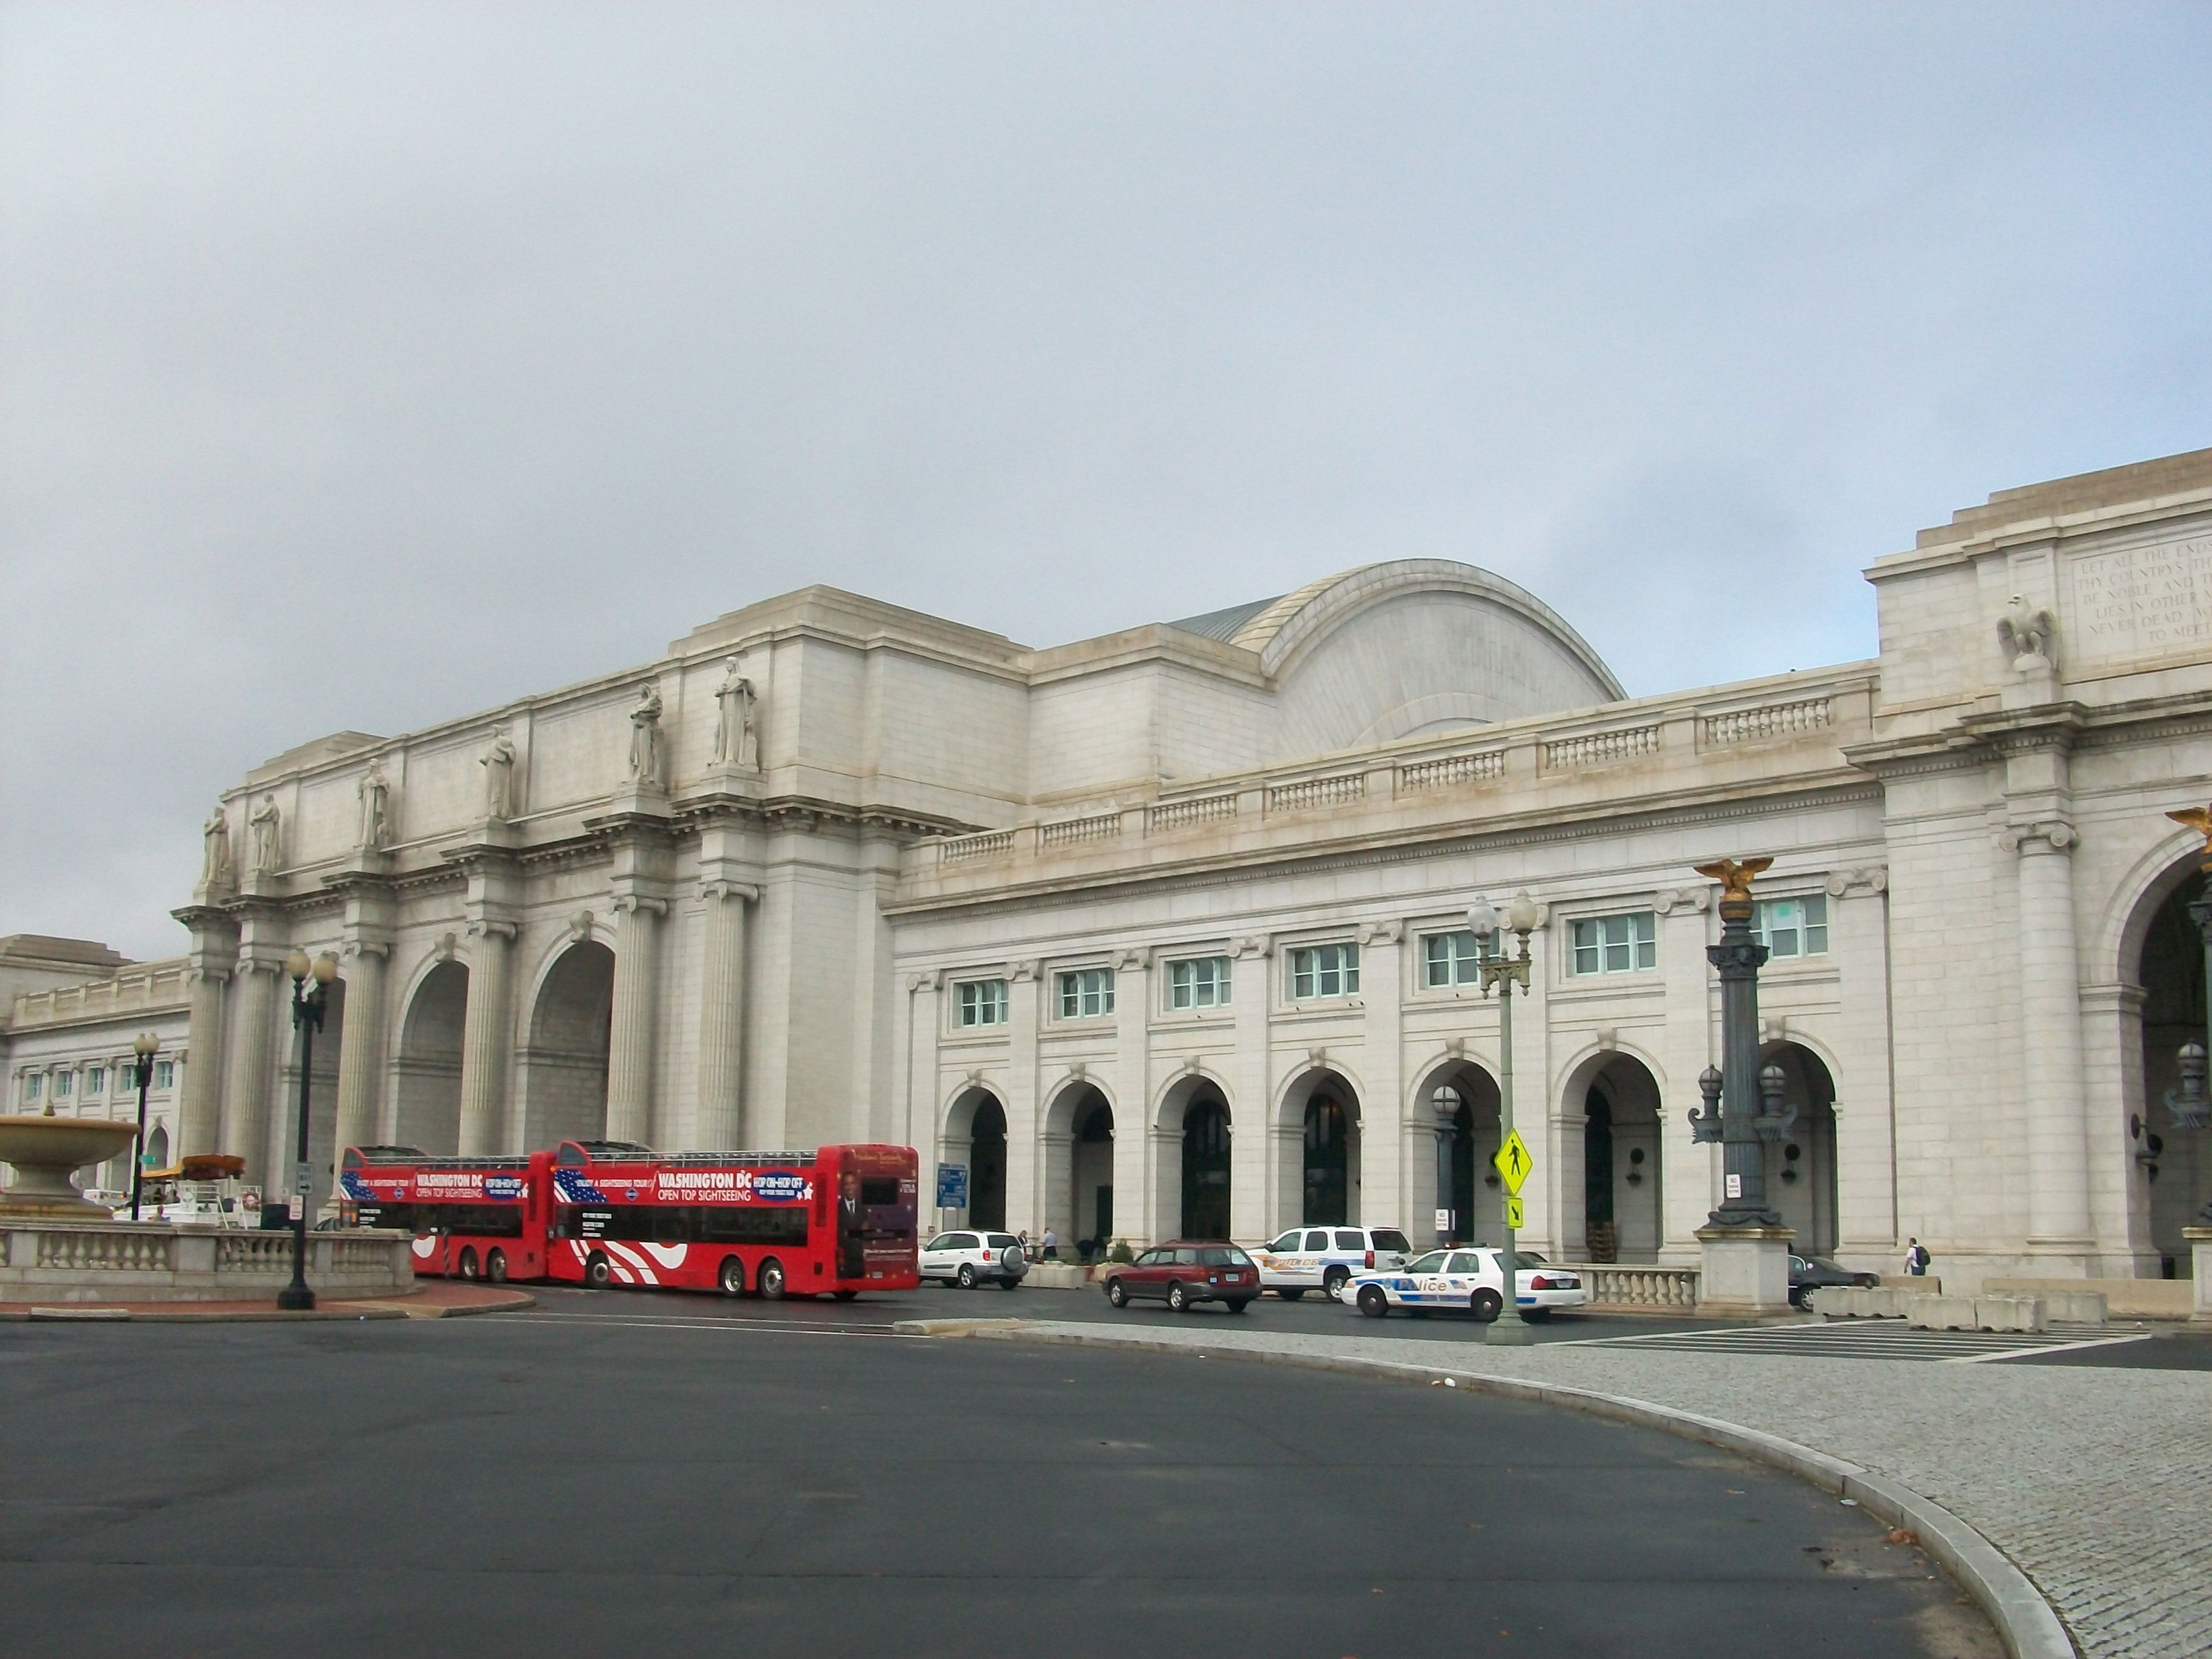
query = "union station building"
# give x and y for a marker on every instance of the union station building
(1168, 931)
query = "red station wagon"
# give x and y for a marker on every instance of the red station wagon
(1187, 1270)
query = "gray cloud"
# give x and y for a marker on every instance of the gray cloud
(358, 367)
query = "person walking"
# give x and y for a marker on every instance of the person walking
(1916, 1258)
(1051, 1245)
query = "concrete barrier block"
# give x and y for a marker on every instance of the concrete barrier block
(1942, 1313)
(2009, 1313)
(2074, 1307)
(1838, 1301)
(1889, 1302)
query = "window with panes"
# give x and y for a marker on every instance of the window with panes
(165, 1073)
(1086, 993)
(1324, 970)
(982, 1002)
(1792, 927)
(1615, 945)
(95, 1080)
(1449, 959)
(1199, 982)
(63, 1082)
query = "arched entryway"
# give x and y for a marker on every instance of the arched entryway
(1462, 1100)
(565, 1065)
(2176, 1162)
(1322, 1175)
(157, 1148)
(1077, 1146)
(427, 1075)
(1611, 1183)
(1801, 1168)
(974, 1139)
(1204, 1167)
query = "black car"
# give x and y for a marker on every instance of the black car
(1808, 1273)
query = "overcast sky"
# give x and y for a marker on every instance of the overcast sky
(362, 366)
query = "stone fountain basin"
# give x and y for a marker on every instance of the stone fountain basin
(46, 1151)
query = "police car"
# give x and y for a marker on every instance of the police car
(1323, 1258)
(1473, 1279)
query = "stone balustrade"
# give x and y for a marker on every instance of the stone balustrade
(143, 988)
(48, 1261)
(1644, 1288)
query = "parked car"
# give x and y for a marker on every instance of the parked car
(1473, 1279)
(1323, 1258)
(1185, 1271)
(1808, 1273)
(967, 1259)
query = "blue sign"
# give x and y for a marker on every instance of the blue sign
(503, 1186)
(953, 1186)
(779, 1187)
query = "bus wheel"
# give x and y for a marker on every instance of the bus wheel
(596, 1273)
(844, 1295)
(732, 1278)
(496, 1269)
(771, 1280)
(469, 1261)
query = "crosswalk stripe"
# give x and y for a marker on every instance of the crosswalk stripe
(1856, 1341)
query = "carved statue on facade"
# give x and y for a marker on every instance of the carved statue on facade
(2028, 634)
(736, 728)
(376, 809)
(267, 826)
(215, 856)
(498, 762)
(645, 739)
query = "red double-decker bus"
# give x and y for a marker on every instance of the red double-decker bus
(472, 1217)
(838, 1220)
(835, 1221)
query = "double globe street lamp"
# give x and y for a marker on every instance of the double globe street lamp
(143, 1047)
(308, 1006)
(1501, 972)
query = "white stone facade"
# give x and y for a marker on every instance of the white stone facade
(670, 907)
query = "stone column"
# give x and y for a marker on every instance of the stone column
(1025, 992)
(723, 1014)
(486, 1040)
(636, 1013)
(1252, 1151)
(361, 1042)
(212, 957)
(1134, 991)
(2051, 1024)
(252, 1072)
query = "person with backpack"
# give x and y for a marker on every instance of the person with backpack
(1916, 1258)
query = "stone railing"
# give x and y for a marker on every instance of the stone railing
(1307, 792)
(991, 844)
(1773, 719)
(153, 986)
(1829, 710)
(1068, 832)
(1612, 1284)
(1599, 748)
(1199, 809)
(48, 1261)
(1450, 769)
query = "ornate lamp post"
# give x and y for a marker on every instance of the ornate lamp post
(1746, 1268)
(1444, 1102)
(143, 1047)
(1502, 973)
(306, 1019)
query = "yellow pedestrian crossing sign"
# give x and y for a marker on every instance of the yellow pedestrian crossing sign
(1516, 1216)
(1514, 1163)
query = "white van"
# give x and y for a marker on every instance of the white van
(1323, 1258)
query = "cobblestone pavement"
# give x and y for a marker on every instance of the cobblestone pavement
(2094, 1481)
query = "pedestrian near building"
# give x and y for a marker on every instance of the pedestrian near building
(1051, 1245)
(1916, 1258)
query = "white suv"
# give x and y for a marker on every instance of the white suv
(966, 1259)
(1323, 1258)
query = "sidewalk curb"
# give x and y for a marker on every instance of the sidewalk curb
(249, 1313)
(2024, 1620)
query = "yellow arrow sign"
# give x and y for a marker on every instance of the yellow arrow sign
(1516, 1216)
(1514, 1163)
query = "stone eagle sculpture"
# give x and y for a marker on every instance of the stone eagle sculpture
(2027, 636)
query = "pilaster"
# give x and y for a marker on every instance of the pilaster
(1133, 992)
(1025, 995)
(364, 951)
(491, 911)
(637, 838)
(1253, 1155)
(264, 943)
(1388, 1137)
(210, 964)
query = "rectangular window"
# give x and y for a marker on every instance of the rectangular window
(95, 1080)
(1325, 970)
(33, 1083)
(1086, 993)
(1455, 958)
(165, 1073)
(983, 1002)
(1792, 927)
(1201, 982)
(62, 1082)
(1615, 945)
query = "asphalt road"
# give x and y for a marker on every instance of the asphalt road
(661, 1478)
